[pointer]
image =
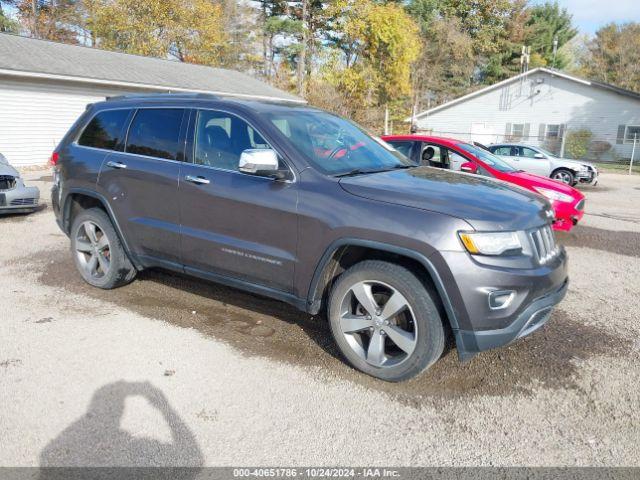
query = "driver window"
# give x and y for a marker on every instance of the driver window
(528, 152)
(432, 156)
(220, 139)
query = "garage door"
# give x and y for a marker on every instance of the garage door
(34, 116)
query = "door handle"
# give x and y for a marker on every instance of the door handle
(113, 164)
(198, 180)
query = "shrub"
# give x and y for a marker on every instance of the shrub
(599, 148)
(577, 143)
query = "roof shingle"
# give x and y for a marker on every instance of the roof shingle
(21, 54)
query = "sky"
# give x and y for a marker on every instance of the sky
(589, 15)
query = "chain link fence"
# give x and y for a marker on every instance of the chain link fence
(615, 152)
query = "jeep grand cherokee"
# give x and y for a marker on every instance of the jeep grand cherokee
(298, 204)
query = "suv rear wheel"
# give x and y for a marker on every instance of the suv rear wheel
(97, 251)
(385, 321)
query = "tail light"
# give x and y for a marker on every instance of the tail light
(53, 161)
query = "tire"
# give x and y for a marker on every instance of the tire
(564, 175)
(111, 267)
(359, 337)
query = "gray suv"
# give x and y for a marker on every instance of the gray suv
(298, 204)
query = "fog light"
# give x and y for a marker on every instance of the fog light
(500, 299)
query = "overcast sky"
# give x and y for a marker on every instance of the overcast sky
(589, 15)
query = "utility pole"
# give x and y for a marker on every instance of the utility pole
(386, 119)
(633, 152)
(525, 57)
(303, 52)
(555, 50)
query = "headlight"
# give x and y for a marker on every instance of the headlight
(553, 195)
(491, 243)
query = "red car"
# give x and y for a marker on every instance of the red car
(451, 154)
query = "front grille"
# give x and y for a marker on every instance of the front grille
(544, 244)
(23, 201)
(580, 205)
(7, 182)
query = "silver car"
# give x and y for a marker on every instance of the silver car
(14, 196)
(541, 162)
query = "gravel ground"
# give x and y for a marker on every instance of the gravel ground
(175, 371)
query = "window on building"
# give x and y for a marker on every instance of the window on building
(155, 132)
(553, 131)
(104, 130)
(517, 130)
(631, 132)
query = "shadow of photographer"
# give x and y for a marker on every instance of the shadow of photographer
(97, 442)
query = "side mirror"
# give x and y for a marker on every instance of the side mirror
(469, 167)
(539, 155)
(262, 162)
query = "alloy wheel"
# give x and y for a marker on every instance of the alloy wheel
(378, 324)
(93, 250)
(564, 177)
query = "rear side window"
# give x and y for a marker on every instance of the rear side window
(155, 132)
(104, 129)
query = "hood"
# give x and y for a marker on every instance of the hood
(545, 182)
(575, 163)
(6, 169)
(484, 203)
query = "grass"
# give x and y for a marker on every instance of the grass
(617, 167)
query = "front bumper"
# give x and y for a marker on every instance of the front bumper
(531, 319)
(19, 199)
(588, 178)
(470, 282)
(568, 214)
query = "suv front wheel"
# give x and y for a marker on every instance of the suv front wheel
(97, 251)
(385, 321)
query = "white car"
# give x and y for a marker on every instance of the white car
(541, 162)
(15, 197)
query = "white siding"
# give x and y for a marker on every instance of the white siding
(35, 115)
(539, 99)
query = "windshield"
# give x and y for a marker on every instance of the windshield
(487, 157)
(336, 146)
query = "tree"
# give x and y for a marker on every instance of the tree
(189, 31)
(483, 20)
(269, 9)
(549, 22)
(49, 19)
(379, 43)
(7, 24)
(614, 56)
(445, 66)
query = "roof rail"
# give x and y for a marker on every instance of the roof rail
(162, 95)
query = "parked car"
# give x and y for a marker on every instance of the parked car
(568, 203)
(15, 197)
(298, 204)
(541, 162)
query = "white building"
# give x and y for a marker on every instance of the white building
(540, 107)
(45, 86)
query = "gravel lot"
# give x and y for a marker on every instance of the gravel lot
(174, 371)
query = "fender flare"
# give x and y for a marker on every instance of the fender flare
(314, 294)
(66, 211)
